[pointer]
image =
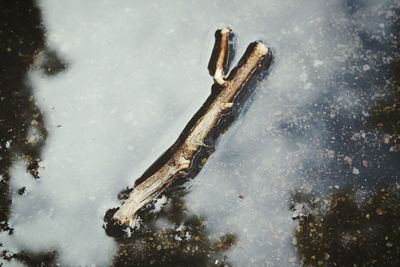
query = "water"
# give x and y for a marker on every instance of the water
(125, 78)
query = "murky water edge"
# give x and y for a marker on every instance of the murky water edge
(307, 176)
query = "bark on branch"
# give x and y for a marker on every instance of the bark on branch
(182, 158)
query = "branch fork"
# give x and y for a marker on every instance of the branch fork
(180, 159)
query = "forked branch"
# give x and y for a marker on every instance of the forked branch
(181, 159)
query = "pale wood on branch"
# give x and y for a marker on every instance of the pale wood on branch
(177, 161)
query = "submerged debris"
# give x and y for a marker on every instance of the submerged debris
(174, 237)
(22, 190)
(300, 211)
(347, 234)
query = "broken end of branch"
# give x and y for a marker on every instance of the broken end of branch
(252, 59)
(261, 48)
(219, 57)
(126, 215)
(114, 227)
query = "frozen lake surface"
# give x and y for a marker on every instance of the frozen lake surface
(298, 179)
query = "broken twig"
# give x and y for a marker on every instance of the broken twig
(182, 158)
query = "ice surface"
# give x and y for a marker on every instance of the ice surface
(136, 74)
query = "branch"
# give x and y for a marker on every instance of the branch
(181, 159)
(219, 56)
